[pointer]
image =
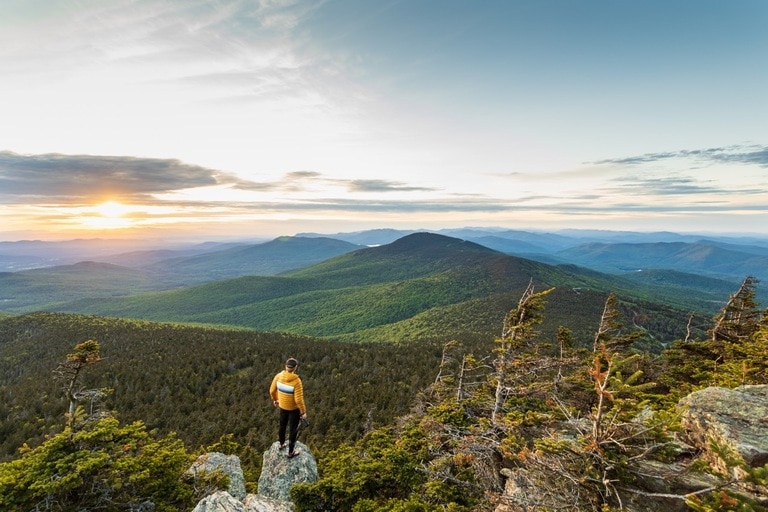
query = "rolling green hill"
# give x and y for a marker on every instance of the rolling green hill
(46, 288)
(35, 289)
(701, 258)
(684, 282)
(413, 288)
(269, 258)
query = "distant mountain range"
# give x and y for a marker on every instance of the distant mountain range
(269, 258)
(358, 286)
(156, 270)
(421, 286)
(29, 254)
(729, 257)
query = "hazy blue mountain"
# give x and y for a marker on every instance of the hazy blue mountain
(146, 258)
(607, 236)
(268, 258)
(554, 241)
(749, 248)
(508, 245)
(538, 241)
(370, 237)
(41, 288)
(706, 259)
(16, 262)
(46, 287)
(28, 254)
(669, 279)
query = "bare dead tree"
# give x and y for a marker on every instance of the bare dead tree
(69, 372)
(688, 329)
(740, 317)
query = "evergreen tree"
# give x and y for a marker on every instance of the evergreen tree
(740, 317)
(101, 466)
(735, 352)
(518, 331)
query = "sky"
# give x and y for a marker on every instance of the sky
(259, 118)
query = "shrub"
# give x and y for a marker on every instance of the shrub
(104, 466)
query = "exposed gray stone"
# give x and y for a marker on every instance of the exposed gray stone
(279, 473)
(255, 503)
(220, 501)
(228, 464)
(735, 418)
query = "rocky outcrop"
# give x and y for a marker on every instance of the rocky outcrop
(227, 464)
(255, 503)
(278, 474)
(222, 501)
(736, 419)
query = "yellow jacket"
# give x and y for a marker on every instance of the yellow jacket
(288, 391)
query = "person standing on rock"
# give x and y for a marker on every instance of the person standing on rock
(287, 394)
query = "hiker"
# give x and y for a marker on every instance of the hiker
(287, 393)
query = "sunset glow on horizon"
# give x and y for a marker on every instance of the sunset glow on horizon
(268, 118)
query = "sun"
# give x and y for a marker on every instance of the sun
(107, 215)
(111, 209)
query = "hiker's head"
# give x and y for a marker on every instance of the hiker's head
(291, 364)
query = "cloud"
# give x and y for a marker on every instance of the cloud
(302, 181)
(664, 186)
(752, 155)
(340, 205)
(71, 180)
(679, 185)
(383, 186)
(300, 175)
(757, 156)
(74, 179)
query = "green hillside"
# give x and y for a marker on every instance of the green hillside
(273, 257)
(701, 258)
(41, 288)
(46, 288)
(409, 289)
(673, 280)
(201, 382)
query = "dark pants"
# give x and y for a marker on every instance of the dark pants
(289, 418)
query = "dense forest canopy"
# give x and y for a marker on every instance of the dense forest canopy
(201, 382)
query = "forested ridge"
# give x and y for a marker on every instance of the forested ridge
(408, 290)
(201, 382)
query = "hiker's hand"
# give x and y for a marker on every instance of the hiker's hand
(304, 416)
(275, 402)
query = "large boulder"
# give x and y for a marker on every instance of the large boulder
(255, 503)
(227, 464)
(220, 501)
(732, 418)
(279, 473)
